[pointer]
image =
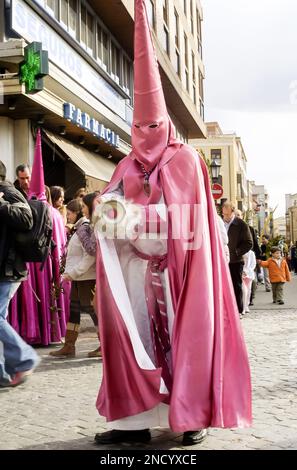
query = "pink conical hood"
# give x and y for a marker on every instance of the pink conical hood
(149, 103)
(37, 188)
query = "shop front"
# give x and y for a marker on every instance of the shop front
(85, 119)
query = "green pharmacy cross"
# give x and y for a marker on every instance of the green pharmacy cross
(34, 67)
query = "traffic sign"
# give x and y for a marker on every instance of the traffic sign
(217, 191)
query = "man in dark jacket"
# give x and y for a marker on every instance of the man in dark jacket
(256, 250)
(17, 358)
(240, 242)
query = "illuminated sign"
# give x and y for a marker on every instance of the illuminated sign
(34, 67)
(89, 124)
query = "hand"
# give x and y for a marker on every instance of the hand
(1, 194)
(66, 277)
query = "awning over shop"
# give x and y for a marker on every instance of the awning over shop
(97, 169)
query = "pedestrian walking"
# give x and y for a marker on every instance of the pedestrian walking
(240, 242)
(17, 359)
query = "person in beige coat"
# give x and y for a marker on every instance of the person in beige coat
(80, 269)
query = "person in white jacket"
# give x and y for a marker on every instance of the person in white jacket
(224, 236)
(80, 269)
(248, 276)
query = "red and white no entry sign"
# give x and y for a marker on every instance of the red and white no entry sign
(217, 191)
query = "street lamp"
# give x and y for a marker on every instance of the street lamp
(215, 170)
(216, 189)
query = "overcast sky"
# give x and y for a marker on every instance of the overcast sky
(250, 55)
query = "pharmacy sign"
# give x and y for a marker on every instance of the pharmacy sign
(34, 67)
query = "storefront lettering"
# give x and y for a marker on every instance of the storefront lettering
(83, 120)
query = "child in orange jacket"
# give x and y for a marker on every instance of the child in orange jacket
(278, 274)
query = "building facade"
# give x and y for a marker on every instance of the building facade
(279, 224)
(227, 150)
(262, 220)
(291, 217)
(85, 104)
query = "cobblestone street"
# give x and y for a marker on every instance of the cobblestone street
(55, 409)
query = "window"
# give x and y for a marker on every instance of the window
(201, 92)
(77, 18)
(202, 109)
(192, 16)
(186, 62)
(150, 4)
(165, 11)
(194, 94)
(177, 52)
(165, 39)
(194, 79)
(115, 62)
(177, 62)
(90, 35)
(127, 76)
(187, 80)
(83, 25)
(72, 25)
(105, 47)
(86, 29)
(199, 32)
(68, 16)
(53, 7)
(99, 44)
(64, 12)
(186, 51)
(193, 68)
(176, 29)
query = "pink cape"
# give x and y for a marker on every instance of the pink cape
(41, 319)
(36, 312)
(211, 375)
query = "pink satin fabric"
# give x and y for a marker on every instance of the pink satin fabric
(37, 187)
(211, 376)
(35, 312)
(211, 384)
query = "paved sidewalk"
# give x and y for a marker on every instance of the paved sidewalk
(55, 409)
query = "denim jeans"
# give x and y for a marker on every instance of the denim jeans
(15, 354)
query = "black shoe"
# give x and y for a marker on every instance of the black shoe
(115, 436)
(274, 302)
(268, 290)
(280, 302)
(194, 437)
(251, 304)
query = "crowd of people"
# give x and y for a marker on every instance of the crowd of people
(42, 302)
(254, 261)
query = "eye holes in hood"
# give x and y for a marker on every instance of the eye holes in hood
(151, 126)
